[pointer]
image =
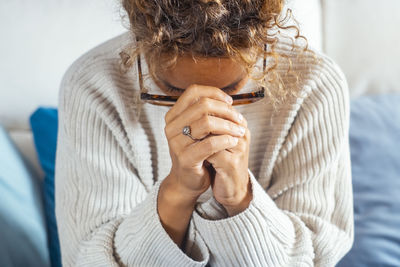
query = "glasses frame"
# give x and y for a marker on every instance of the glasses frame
(165, 100)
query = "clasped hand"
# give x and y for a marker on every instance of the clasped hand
(221, 158)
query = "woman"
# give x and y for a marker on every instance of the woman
(203, 181)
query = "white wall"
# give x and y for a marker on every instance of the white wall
(363, 37)
(39, 40)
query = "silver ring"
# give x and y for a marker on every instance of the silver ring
(186, 131)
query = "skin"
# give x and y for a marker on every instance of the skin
(221, 159)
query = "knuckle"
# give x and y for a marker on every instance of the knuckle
(230, 126)
(228, 139)
(234, 112)
(223, 95)
(229, 108)
(193, 89)
(203, 111)
(204, 102)
(210, 144)
(207, 122)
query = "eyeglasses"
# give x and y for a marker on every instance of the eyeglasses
(164, 100)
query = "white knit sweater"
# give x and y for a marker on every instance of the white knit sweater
(110, 164)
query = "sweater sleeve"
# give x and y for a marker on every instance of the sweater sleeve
(105, 215)
(305, 217)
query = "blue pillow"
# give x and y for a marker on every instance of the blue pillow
(23, 238)
(44, 125)
(375, 157)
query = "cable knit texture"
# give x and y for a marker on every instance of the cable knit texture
(111, 160)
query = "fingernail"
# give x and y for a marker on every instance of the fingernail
(229, 99)
(235, 140)
(240, 117)
(242, 130)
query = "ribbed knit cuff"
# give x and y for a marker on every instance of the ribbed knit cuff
(141, 240)
(260, 235)
(211, 209)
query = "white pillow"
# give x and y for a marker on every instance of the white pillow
(364, 38)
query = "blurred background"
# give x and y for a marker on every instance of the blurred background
(41, 39)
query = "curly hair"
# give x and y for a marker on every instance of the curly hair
(237, 29)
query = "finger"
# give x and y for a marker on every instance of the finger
(213, 125)
(205, 106)
(182, 141)
(243, 144)
(193, 94)
(185, 141)
(199, 151)
(243, 120)
(222, 159)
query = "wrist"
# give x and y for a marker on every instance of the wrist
(243, 203)
(174, 210)
(175, 196)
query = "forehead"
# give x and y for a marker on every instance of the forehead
(217, 72)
